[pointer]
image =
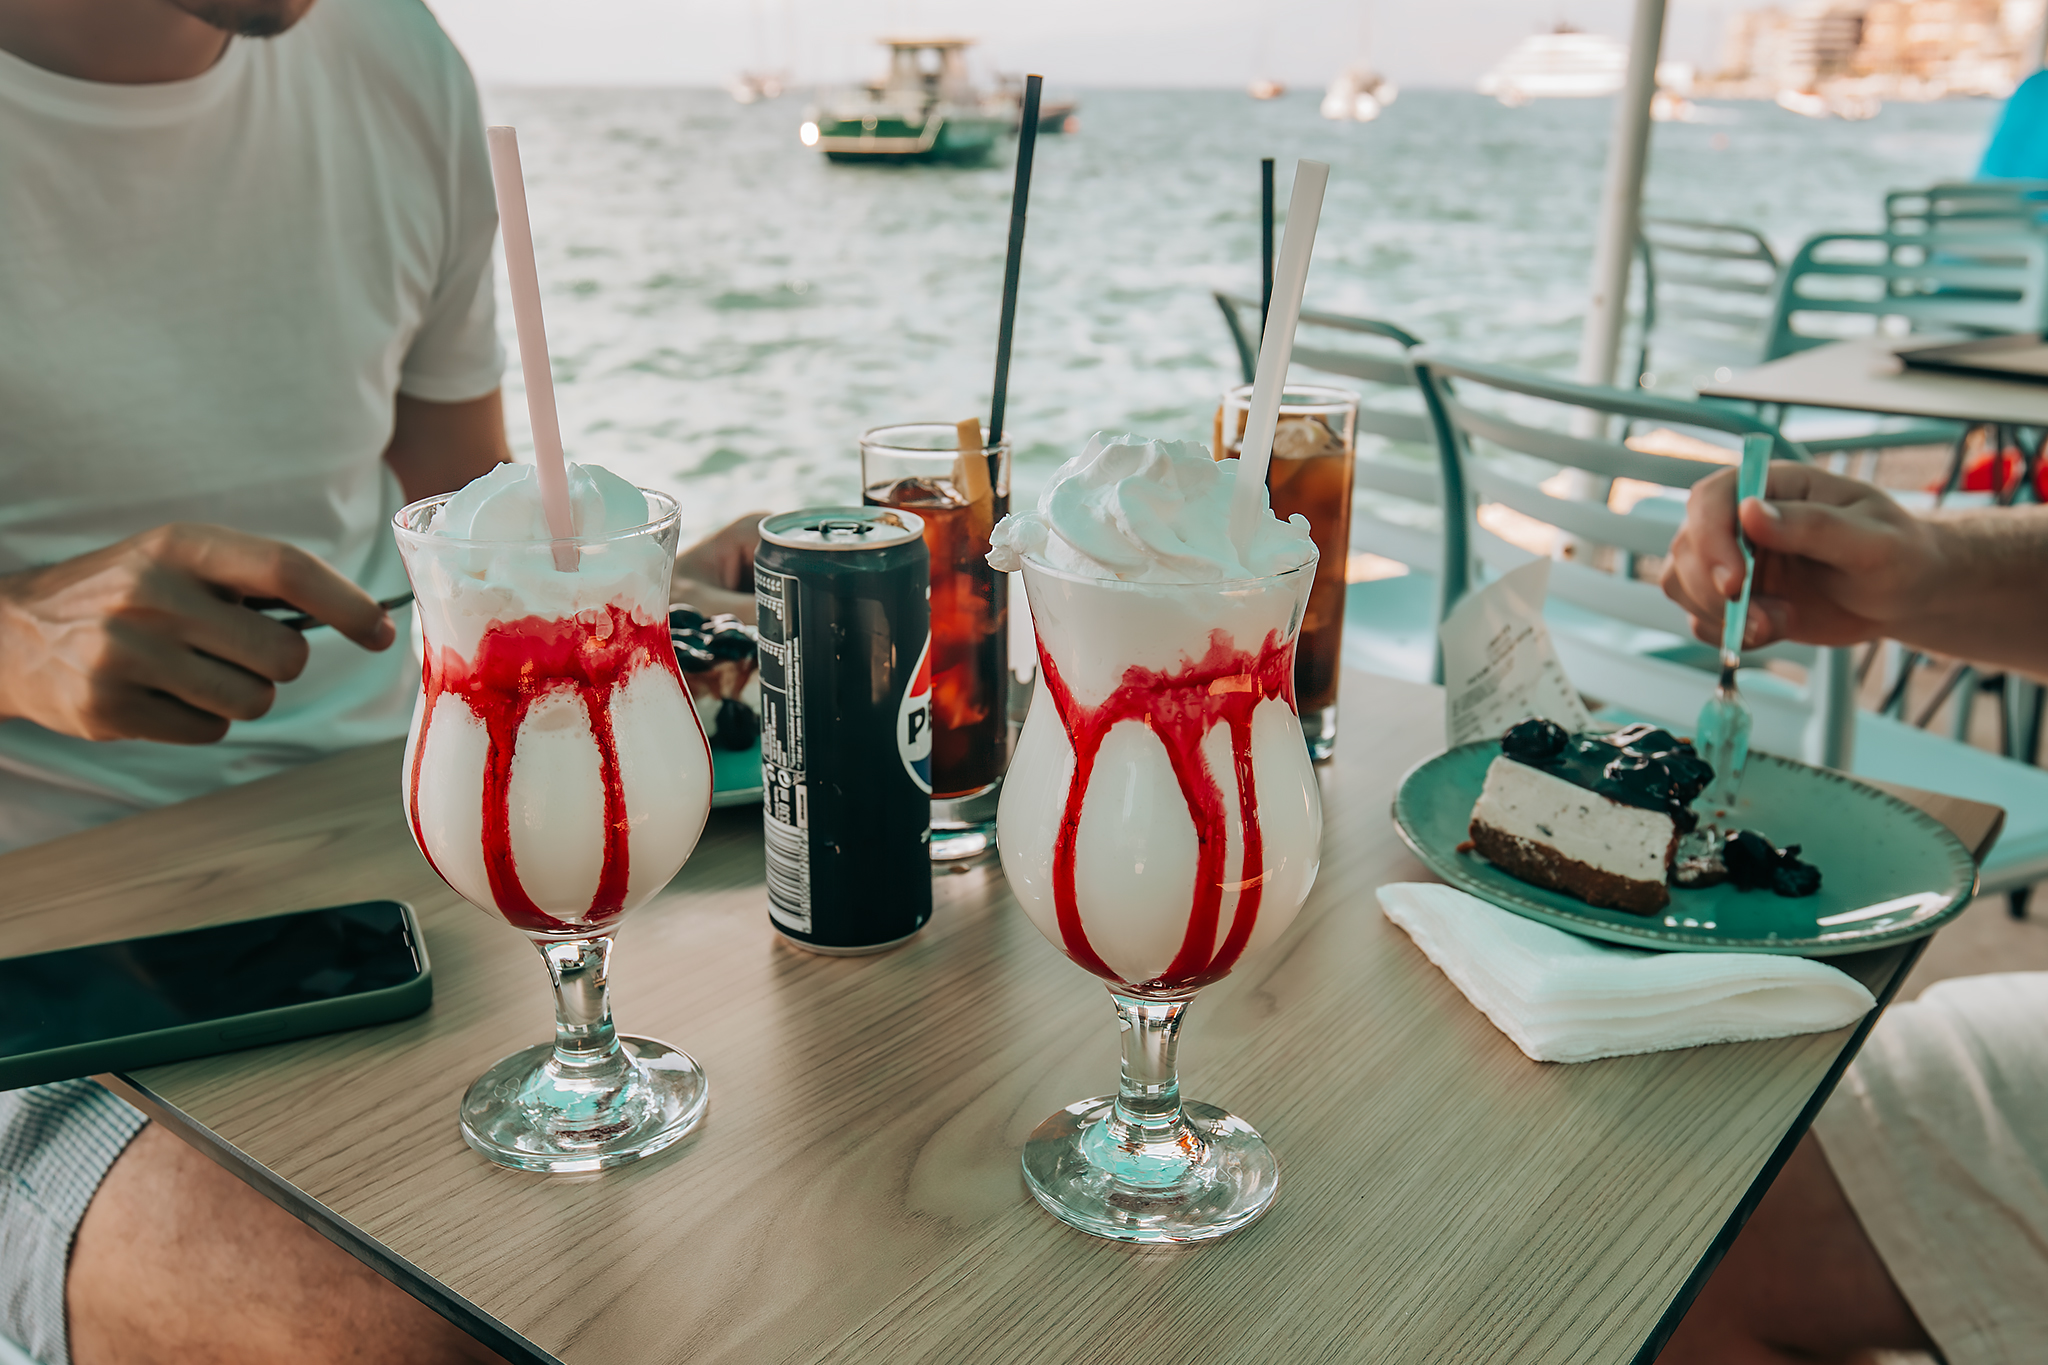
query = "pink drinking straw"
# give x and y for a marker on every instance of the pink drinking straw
(533, 342)
(1276, 348)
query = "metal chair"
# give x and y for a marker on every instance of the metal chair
(1842, 284)
(1389, 623)
(1998, 206)
(1623, 642)
(1707, 292)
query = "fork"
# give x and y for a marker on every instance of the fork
(1722, 732)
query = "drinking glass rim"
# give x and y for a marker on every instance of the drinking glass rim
(1214, 585)
(1336, 398)
(399, 528)
(867, 441)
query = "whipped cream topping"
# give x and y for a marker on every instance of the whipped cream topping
(505, 505)
(491, 556)
(1147, 512)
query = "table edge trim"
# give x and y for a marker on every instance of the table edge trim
(1710, 1261)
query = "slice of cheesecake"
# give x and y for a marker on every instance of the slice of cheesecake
(1592, 816)
(1556, 834)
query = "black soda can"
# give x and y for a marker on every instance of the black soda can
(846, 735)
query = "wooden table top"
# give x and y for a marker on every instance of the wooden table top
(854, 1193)
(1864, 375)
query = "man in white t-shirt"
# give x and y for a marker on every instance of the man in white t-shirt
(246, 311)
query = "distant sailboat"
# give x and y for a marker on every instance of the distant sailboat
(1265, 87)
(1359, 93)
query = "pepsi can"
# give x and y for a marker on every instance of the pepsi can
(846, 725)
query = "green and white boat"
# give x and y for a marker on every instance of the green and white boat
(925, 110)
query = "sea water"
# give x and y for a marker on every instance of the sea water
(727, 311)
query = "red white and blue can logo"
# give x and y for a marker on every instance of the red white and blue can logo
(914, 722)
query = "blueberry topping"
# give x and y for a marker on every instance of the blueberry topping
(1751, 860)
(738, 726)
(705, 641)
(1535, 742)
(1639, 765)
(1754, 865)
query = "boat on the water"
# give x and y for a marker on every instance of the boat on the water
(1263, 89)
(1842, 104)
(1054, 116)
(751, 87)
(1562, 64)
(1359, 94)
(926, 109)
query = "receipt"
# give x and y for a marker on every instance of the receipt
(1499, 664)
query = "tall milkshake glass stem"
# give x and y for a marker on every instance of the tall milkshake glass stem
(585, 1041)
(1146, 1139)
(584, 1093)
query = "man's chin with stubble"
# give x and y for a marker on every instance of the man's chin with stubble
(247, 18)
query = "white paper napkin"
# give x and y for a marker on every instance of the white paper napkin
(1563, 998)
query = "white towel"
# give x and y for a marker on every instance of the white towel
(1563, 998)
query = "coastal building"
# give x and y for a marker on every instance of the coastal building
(1878, 49)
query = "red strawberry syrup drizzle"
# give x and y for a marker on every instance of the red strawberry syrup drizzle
(517, 663)
(1224, 687)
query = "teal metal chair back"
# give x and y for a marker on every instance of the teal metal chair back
(1375, 352)
(1997, 206)
(1706, 301)
(1503, 433)
(1843, 284)
(1382, 360)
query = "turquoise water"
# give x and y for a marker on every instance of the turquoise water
(727, 311)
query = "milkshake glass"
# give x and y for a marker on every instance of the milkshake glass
(556, 775)
(1160, 821)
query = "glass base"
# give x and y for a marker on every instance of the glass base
(526, 1114)
(1231, 1180)
(965, 826)
(1319, 727)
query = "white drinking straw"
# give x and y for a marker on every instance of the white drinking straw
(533, 341)
(1276, 348)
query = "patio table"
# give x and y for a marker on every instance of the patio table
(1865, 375)
(854, 1193)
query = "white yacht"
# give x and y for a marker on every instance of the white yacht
(1562, 64)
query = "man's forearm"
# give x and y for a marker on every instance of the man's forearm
(1988, 602)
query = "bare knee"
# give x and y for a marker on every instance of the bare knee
(1802, 1283)
(177, 1260)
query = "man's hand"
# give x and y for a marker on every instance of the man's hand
(1837, 562)
(146, 639)
(717, 574)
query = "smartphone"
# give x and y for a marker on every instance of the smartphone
(170, 997)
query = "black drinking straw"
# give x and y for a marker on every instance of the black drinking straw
(1265, 240)
(1027, 138)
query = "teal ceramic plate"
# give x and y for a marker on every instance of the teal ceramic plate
(736, 776)
(1889, 872)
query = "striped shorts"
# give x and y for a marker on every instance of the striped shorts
(57, 1143)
